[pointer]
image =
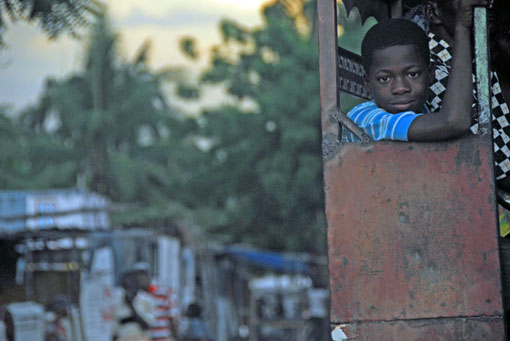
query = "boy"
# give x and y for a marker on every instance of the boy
(395, 55)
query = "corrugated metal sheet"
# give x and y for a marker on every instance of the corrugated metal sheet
(63, 209)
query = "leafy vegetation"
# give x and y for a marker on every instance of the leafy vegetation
(248, 171)
(54, 16)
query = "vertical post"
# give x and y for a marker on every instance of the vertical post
(482, 70)
(328, 71)
(329, 87)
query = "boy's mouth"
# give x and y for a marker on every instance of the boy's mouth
(403, 106)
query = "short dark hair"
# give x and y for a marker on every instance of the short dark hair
(393, 32)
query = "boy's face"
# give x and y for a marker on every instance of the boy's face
(446, 14)
(399, 79)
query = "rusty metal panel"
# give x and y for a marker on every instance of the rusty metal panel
(412, 231)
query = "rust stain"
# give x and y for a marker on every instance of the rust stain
(411, 232)
(330, 146)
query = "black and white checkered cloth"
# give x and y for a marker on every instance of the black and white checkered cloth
(441, 59)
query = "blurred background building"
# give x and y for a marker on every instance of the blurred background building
(183, 136)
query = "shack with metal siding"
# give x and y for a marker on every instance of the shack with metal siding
(63, 209)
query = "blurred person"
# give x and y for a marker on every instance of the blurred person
(162, 328)
(58, 327)
(194, 327)
(134, 311)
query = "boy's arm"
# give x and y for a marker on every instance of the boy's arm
(454, 118)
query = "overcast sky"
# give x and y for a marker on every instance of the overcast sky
(29, 57)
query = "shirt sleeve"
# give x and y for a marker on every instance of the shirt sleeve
(382, 125)
(145, 307)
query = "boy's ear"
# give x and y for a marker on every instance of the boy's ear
(431, 12)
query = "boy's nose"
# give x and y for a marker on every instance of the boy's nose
(400, 86)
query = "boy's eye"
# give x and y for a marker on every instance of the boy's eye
(414, 74)
(383, 79)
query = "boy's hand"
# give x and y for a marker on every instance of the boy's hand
(465, 10)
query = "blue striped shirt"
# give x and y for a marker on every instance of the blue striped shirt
(379, 124)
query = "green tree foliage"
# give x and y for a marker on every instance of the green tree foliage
(28, 152)
(263, 182)
(248, 171)
(189, 48)
(111, 118)
(109, 128)
(54, 16)
(264, 171)
(352, 33)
